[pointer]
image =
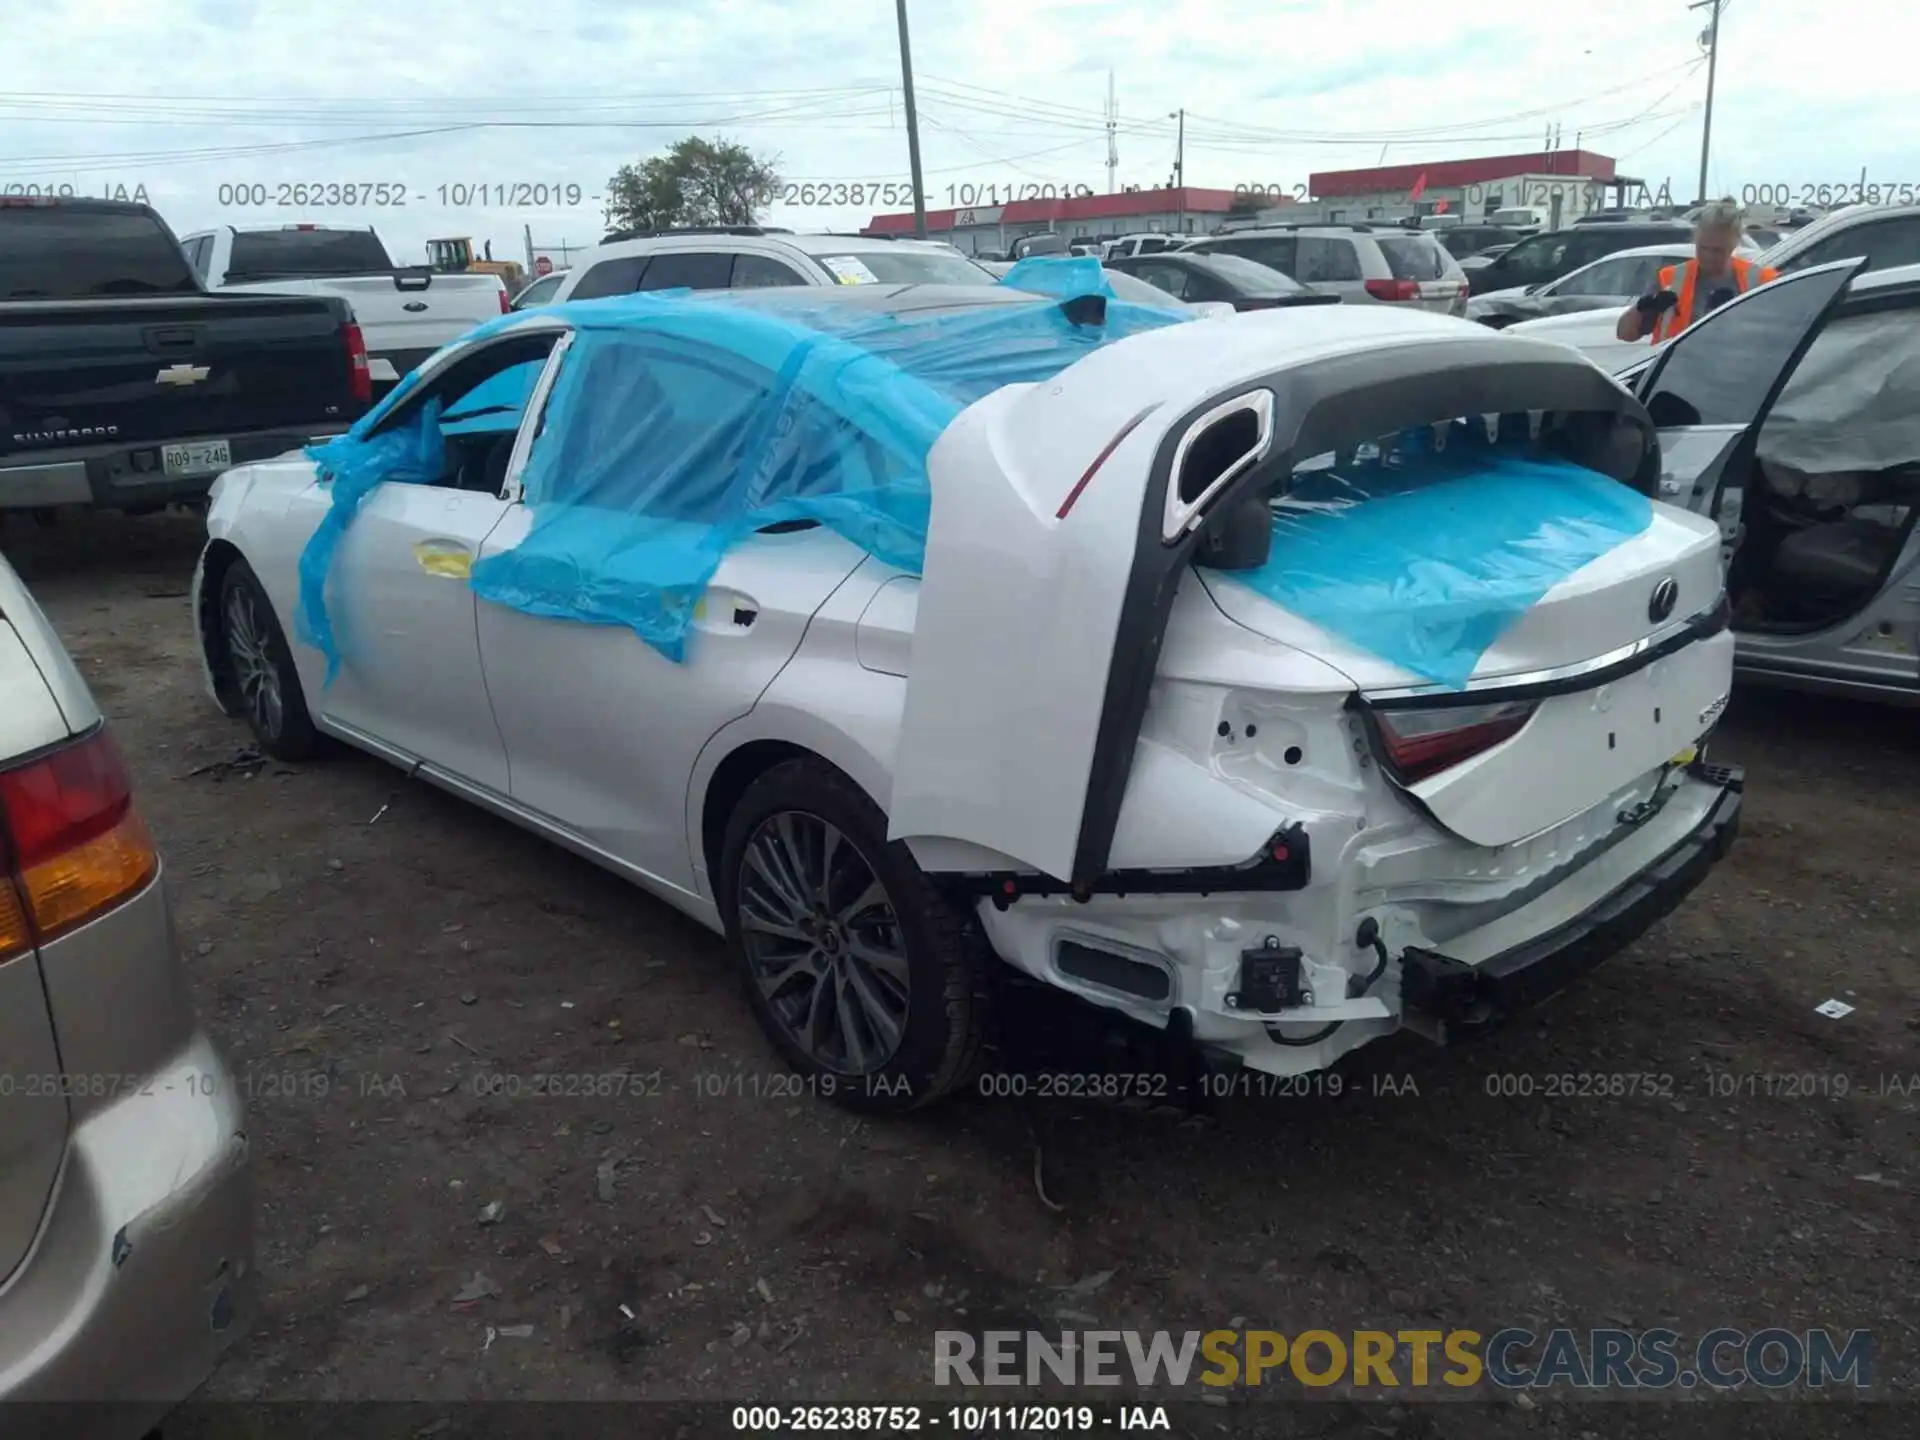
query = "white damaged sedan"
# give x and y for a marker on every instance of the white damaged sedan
(1276, 682)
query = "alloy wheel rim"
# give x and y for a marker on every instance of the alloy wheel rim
(253, 668)
(823, 942)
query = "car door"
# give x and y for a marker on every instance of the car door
(398, 593)
(1709, 390)
(1163, 275)
(1604, 283)
(601, 729)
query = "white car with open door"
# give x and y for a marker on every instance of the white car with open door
(1276, 681)
(1791, 416)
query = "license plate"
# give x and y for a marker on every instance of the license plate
(196, 457)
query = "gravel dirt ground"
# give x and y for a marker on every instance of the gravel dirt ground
(389, 969)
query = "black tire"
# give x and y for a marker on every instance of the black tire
(260, 667)
(944, 1000)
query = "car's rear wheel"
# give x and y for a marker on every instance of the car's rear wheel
(260, 665)
(867, 980)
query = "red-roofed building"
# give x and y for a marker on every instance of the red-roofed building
(990, 229)
(1560, 184)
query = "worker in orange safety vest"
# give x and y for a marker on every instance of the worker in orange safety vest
(1683, 293)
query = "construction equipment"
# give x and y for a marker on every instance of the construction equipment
(454, 256)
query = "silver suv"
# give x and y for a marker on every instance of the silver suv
(1370, 264)
(743, 257)
(126, 1207)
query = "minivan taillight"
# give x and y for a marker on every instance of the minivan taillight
(72, 842)
(359, 368)
(506, 303)
(1394, 289)
(1422, 743)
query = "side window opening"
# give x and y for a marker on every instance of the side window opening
(620, 276)
(476, 407)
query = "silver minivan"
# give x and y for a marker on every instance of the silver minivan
(126, 1204)
(1362, 264)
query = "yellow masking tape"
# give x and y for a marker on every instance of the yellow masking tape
(443, 560)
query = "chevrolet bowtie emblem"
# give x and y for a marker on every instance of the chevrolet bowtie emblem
(181, 374)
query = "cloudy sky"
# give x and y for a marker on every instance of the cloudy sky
(184, 97)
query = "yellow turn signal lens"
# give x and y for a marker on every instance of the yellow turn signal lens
(14, 935)
(75, 885)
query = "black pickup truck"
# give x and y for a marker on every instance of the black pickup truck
(126, 385)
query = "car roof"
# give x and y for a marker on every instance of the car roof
(1834, 221)
(829, 244)
(1632, 252)
(879, 299)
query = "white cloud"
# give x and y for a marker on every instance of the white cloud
(102, 93)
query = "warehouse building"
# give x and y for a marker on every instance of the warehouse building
(990, 230)
(1558, 186)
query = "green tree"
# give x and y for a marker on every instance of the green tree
(1246, 204)
(697, 182)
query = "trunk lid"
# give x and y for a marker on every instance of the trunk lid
(91, 372)
(1611, 671)
(1065, 516)
(1602, 607)
(406, 309)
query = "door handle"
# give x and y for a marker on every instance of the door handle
(446, 559)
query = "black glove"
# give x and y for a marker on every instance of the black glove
(1657, 303)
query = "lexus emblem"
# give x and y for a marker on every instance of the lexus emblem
(181, 374)
(1665, 596)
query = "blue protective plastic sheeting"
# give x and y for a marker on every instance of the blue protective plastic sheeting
(679, 425)
(355, 463)
(1061, 276)
(495, 405)
(1429, 562)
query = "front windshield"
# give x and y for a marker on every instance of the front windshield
(1250, 276)
(905, 267)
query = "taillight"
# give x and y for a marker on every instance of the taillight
(505, 303)
(1394, 289)
(359, 371)
(1422, 743)
(75, 845)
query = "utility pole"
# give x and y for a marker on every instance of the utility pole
(1180, 168)
(913, 124)
(1113, 147)
(1713, 55)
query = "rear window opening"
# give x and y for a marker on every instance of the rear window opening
(306, 254)
(1414, 257)
(73, 252)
